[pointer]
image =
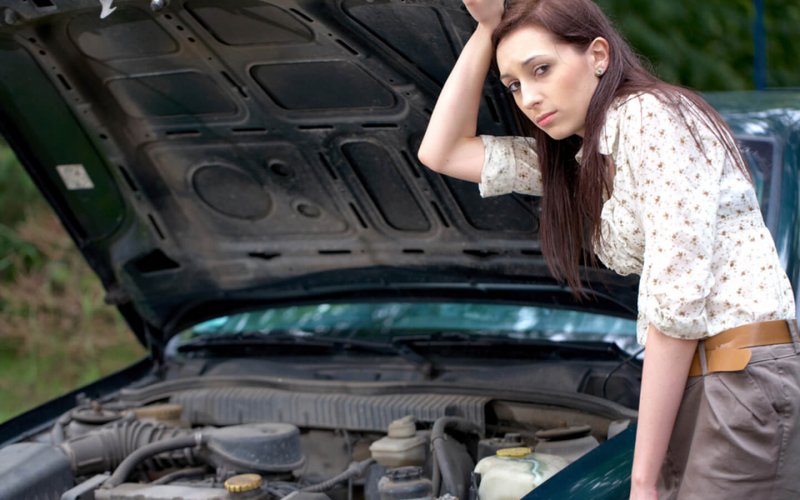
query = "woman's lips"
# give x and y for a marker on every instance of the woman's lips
(544, 119)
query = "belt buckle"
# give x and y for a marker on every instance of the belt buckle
(728, 360)
(719, 360)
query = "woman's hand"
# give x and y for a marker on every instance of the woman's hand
(450, 146)
(486, 12)
(666, 368)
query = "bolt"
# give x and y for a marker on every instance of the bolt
(158, 5)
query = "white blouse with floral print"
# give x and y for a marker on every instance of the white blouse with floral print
(681, 215)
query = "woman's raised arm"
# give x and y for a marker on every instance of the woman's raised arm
(450, 145)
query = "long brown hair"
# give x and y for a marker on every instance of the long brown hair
(573, 193)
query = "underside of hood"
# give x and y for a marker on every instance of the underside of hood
(212, 153)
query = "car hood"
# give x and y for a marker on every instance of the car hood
(215, 154)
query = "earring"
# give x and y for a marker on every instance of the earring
(599, 71)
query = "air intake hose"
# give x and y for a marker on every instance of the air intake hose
(267, 447)
(104, 449)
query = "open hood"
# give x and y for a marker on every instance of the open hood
(209, 154)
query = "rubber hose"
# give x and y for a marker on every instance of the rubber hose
(126, 466)
(356, 469)
(180, 474)
(441, 462)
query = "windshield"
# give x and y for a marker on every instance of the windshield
(384, 321)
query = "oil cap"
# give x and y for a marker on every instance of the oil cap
(243, 483)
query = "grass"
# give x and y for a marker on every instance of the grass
(56, 333)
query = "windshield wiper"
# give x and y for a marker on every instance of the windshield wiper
(280, 337)
(247, 341)
(554, 348)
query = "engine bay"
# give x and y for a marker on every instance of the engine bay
(237, 436)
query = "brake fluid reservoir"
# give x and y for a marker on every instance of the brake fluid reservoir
(513, 472)
(402, 446)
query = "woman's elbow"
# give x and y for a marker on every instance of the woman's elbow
(430, 159)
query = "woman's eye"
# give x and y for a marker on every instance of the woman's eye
(513, 87)
(541, 69)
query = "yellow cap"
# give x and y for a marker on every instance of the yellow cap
(243, 482)
(514, 452)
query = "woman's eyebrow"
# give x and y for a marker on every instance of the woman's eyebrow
(524, 63)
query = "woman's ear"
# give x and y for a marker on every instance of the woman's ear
(598, 53)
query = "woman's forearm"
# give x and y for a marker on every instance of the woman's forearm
(666, 368)
(450, 145)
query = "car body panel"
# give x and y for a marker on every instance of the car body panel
(249, 145)
(602, 474)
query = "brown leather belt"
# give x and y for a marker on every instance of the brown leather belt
(728, 351)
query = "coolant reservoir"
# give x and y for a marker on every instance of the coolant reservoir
(402, 446)
(570, 443)
(513, 472)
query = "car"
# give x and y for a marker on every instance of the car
(325, 318)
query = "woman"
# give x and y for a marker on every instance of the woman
(652, 175)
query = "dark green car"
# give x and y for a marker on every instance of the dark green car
(325, 317)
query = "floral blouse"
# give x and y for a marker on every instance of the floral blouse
(681, 215)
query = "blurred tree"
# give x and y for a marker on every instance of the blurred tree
(17, 192)
(18, 198)
(708, 45)
(783, 42)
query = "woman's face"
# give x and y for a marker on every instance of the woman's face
(552, 82)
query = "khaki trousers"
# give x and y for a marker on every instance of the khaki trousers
(737, 434)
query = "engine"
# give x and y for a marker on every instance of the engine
(256, 443)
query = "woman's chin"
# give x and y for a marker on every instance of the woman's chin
(557, 131)
(558, 134)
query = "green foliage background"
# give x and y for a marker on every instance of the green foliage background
(708, 44)
(18, 197)
(55, 331)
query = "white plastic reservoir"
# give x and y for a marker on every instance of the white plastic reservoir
(514, 472)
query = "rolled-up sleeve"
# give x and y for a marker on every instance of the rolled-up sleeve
(509, 165)
(677, 166)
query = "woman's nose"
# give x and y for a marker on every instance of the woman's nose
(531, 97)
